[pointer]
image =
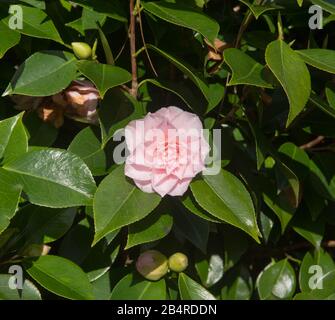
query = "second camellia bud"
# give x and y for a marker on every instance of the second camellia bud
(178, 262)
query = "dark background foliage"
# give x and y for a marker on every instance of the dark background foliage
(253, 69)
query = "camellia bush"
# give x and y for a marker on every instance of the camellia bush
(170, 149)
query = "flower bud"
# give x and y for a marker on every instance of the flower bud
(36, 250)
(178, 262)
(152, 265)
(82, 50)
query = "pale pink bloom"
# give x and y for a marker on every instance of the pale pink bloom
(167, 149)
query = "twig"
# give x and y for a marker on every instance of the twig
(144, 43)
(312, 143)
(132, 36)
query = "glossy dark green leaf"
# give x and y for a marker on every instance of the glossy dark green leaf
(276, 281)
(154, 227)
(53, 178)
(47, 225)
(118, 202)
(285, 63)
(133, 288)
(191, 290)
(104, 76)
(61, 277)
(225, 197)
(43, 74)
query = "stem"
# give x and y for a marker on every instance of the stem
(312, 143)
(132, 36)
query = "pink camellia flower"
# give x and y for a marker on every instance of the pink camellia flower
(167, 149)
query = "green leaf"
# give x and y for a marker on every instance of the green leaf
(9, 38)
(46, 225)
(330, 94)
(322, 105)
(257, 9)
(61, 277)
(322, 59)
(118, 202)
(10, 194)
(296, 158)
(132, 288)
(191, 205)
(191, 290)
(312, 231)
(285, 63)
(318, 258)
(104, 76)
(276, 281)
(53, 178)
(225, 197)
(237, 285)
(87, 146)
(43, 74)
(116, 111)
(13, 138)
(36, 23)
(28, 292)
(194, 76)
(112, 9)
(327, 5)
(184, 16)
(245, 70)
(197, 231)
(154, 227)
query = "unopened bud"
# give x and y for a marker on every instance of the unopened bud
(178, 262)
(36, 250)
(82, 50)
(152, 265)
